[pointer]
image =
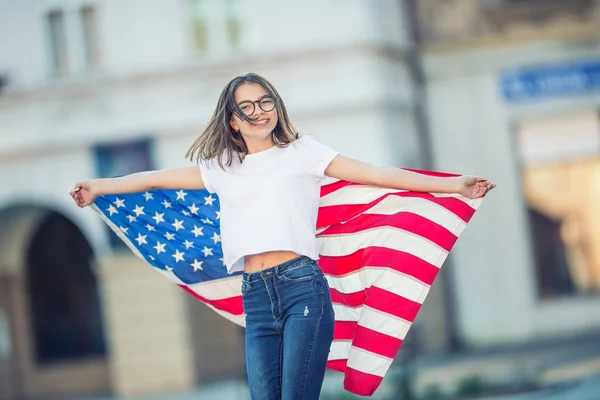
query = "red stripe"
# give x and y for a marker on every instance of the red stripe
(392, 303)
(376, 342)
(367, 339)
(337, 365)
(407, 221)
(232, 305)
(361, 383)
(381, 300)
(355, 299)
(332, 187)
(344, 330)
(379, 257)
(330, 215)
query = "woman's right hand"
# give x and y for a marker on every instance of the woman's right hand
(84, 193)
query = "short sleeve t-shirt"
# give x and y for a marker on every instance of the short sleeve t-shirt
(269, 202)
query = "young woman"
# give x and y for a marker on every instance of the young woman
(268, 180)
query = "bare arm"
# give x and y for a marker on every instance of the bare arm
(173, 178)
(188, 178)
(348, 169)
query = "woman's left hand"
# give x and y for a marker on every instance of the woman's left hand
(473, 187)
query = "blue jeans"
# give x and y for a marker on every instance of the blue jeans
(289, 329)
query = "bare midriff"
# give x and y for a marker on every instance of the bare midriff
(269, 259)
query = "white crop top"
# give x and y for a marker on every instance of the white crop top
(269, 202)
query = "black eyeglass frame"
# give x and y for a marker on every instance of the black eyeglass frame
(272, 98)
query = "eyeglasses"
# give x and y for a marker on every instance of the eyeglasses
(248, 107)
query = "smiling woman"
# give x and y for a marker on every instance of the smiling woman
(268, 180)
(233, 131)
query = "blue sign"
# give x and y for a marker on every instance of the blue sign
(550, 82)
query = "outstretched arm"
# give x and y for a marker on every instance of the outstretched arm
(352, 170)
(189, 178)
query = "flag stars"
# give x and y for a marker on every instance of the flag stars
(170, 236)
(166, 204)
(177, 224)
(158, 217)
(131, 218)
(218, 214)
(178, 256)
(141, 239)
(112, 210)
(188, 244)
(123, 229)
(207, 252)
(197, 231)
(216, 238)
(139, 210)
(197, 265)
(181, 195)
(148, 196)
(160, 247)
(150, 227)
(207, 221)
(119, 202)
(186, 213)
(169, 269)
(209, 200)
(194, 209)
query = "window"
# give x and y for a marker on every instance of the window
(233, 23)
(215, 26)
(121, 159)
(89, 36)
(560, 159)
(65, 309)
(199, 25)
(59, 62)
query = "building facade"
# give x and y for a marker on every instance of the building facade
(512, 90)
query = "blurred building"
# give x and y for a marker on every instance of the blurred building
(513, 91)
(506, 89)
(106, 88)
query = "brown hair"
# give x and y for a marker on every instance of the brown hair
(220, 139)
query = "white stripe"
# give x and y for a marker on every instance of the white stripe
(359, 359)
(339, 350)
(432, 211)
(346, 313)
(373, 319)
(169, 275)
(367, 362)
(381, 277)
(384, 323)
(363, 194)
(393, 238)
(219, 289)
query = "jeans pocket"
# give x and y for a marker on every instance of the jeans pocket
(245, 286)
(302, 272)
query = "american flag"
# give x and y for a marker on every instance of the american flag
(381, 250)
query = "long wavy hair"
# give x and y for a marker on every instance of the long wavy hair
(219, 139)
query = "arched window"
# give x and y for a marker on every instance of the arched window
(63, 293)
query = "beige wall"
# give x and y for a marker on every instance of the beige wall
(146, 328)
(475, 22)
(161, 339)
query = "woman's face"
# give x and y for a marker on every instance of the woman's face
(253, 100)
